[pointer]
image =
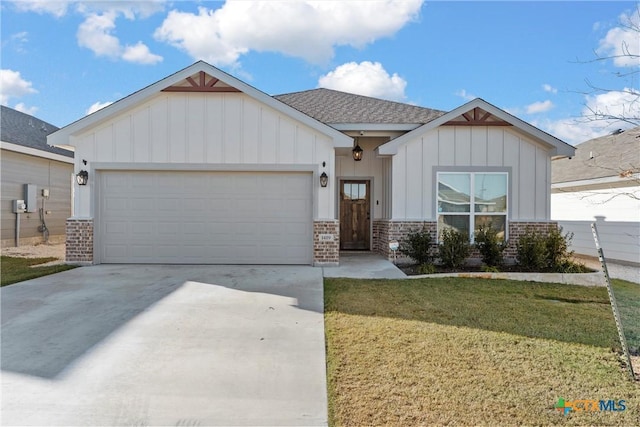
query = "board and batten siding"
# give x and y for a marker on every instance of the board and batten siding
(370, 167)
(472, 147)
(211, 129)
(19, 169)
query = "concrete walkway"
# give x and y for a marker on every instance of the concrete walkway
(364, 265)
(165, 345)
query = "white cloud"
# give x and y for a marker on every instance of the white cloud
(366, 78)
(539, 107)
(97, 106)
(57, 8)
(622, 43)
(603, 107)
(12, 85)
(462, 93)
(95, 33)
(305, 29)
(24, 109)
(139, 53)
(549, 88)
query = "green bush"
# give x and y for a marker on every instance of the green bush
(426, 269)
(490, 246)
(531, 251)
(557, 249)
(417, 246)
(454, 248)
(546, 252)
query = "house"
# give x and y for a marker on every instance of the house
(201, 167)
(27, 159)
(601, 183)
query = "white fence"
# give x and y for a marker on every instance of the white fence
(620, 241)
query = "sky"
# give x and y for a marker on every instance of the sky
(542, 61)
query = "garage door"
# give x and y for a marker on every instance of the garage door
(205, 217)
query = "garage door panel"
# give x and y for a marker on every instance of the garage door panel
(205, 217)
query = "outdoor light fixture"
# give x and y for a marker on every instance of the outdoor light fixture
(82, 177)
(324, 179)
(357, 152)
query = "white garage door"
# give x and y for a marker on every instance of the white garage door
(205, 217)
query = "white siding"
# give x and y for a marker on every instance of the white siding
(613, 204)
(475, 148)
(214, 129)
(370, 167)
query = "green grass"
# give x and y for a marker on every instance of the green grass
(15, 270)
(471, 352)
(628, 300)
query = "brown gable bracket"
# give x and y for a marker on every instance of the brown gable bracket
(477, 117)
(201, 85)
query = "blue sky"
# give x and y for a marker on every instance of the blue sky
(63, 59)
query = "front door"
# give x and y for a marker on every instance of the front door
(354, 214)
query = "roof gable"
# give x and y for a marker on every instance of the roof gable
(198, 77)
(479, 112)
(27, 131)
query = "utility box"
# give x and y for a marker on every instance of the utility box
(19, 206)
(31, 197)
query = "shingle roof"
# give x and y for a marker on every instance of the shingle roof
(333, 107)
(600, 157)
(22, 129)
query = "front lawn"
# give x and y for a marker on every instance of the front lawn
(472, 352)
(15, 270)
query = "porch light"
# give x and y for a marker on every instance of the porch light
(82, 177)
(324, 179)
(357, 152)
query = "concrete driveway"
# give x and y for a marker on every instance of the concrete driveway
(165, 345)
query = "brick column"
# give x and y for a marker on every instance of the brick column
(517, 229)
(79, 241)
(326, 243)
(386, 230)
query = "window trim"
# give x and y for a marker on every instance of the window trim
(472, 171)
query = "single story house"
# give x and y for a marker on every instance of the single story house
(26, 159)
(201, 167)
(601, 183)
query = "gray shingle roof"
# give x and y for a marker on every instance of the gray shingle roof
(333, 107)
(22, 129)
(601, 157)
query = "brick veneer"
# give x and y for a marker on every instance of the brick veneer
(517, 229)
(387, 230)
(326, 252)
(79, 241)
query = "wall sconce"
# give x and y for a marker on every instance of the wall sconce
(324, 179)
(357, 152)
(82, 177)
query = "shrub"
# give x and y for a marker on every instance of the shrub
(557, 249)
(417, 246)
(531, 251)
(490, 246)
(454, 249)
(426, 269)
(546, 252)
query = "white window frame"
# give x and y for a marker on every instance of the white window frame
(472, 212)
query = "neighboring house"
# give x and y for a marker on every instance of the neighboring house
(202, 168)
(27, 159)
(601, 182)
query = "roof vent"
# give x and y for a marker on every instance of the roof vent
(617, 132)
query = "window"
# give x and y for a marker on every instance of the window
(470, 200)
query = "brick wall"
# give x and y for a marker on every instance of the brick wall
(517, 229)
(79, 241)
(385, 231)
(326, 252)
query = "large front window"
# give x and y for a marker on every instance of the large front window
(468, 201)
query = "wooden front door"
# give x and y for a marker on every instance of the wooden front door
(354, 214)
